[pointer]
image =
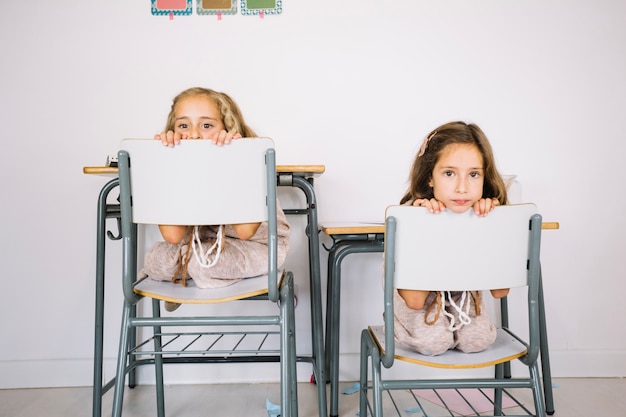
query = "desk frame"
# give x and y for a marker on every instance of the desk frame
(371, 239)
(287, 176)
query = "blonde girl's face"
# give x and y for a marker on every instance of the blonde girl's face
(457, 179)
(197, 117)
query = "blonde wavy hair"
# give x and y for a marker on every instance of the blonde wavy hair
(231, 114)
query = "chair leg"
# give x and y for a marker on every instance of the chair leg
(158, 360)
(122, 357)
(497, 392)
(132, 336)
(293, 373)
(288, 372)
(545, 355)
(291, 344)
(370, 349)
(377, 392)
(540, 410)
(363, 376)
(132, 341)
(321, 384)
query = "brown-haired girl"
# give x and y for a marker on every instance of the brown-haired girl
(454, 170)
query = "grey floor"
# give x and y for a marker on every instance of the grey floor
(573, 398)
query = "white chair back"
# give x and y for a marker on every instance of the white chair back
(159, 199)
(456, 252)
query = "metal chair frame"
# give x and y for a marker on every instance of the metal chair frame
(168, 347)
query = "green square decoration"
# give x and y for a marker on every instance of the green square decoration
(264, 7)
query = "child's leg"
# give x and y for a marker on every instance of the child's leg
(411, 330)
(479, 334)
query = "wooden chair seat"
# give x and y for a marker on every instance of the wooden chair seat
(177, 293)
(505, 348)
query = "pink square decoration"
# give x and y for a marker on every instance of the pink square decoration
(171, 4)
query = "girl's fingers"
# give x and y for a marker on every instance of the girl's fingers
(169, 138)
(485, 205)
(178, 137)
(437, 206)
(224, 138)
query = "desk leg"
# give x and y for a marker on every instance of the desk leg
(104, 211)
(317, 329)
(335, 257)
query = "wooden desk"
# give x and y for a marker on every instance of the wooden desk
(300, 170)
(364, 228)
(364, 237)
(299, 176)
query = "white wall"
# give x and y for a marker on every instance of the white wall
(351, 84)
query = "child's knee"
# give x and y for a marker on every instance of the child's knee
(476, 337)
(161, 261)
(427, 339)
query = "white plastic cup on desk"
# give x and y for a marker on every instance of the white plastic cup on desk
(513, 188)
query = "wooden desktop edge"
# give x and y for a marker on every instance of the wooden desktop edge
(281, 169)
(365, 228)
(340, 229)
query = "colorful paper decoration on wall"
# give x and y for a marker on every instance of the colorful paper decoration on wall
(172, 7)
(261, 7)
(216, 7)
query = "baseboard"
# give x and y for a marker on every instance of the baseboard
(46, 373)
(79, 372)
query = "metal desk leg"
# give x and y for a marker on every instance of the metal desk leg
(337, 252)
(335, 257)
(104, 211)
(316, 292)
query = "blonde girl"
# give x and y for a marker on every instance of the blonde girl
(200, 113)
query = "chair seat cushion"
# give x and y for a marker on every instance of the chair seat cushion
(176, 293)
(504, 349)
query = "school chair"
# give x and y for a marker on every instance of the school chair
(458, 252)
(199, 183)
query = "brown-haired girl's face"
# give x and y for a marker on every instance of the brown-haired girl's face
(197, 117)
(458, 176)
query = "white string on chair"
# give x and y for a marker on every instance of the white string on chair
(464, 317)
(203, 256)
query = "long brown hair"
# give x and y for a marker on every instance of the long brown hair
(434, 144)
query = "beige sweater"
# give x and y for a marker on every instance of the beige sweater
(239, 258)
